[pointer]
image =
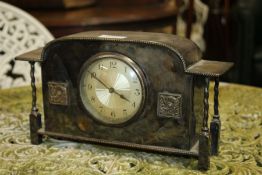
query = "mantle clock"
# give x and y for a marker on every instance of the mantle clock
(145, 91)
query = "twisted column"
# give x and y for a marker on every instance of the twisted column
(35, 116)
(215, 125)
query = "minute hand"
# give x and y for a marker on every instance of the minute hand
(111, 89)
(92, 75)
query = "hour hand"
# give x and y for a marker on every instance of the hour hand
(121, 96)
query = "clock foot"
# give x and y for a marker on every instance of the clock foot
(204, 150)
(35, 125)
(215, 127)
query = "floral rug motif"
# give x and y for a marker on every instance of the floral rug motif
(240, 146)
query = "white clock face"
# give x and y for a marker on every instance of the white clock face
(111, 88)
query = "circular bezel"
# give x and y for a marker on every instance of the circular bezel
(132, 65)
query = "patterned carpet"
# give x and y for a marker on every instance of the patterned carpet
(240, 149)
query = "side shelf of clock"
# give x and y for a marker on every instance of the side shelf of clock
(169, 116)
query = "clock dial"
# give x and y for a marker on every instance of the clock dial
(111, 88)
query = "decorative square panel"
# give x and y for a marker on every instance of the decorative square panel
(58, 93)
(169, 105)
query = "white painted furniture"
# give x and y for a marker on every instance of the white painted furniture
(19, 33)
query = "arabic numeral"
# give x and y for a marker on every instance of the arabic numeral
(89, 86)
(137, 92)
(113, 64)
(93, 99)
(100, 108)
(101, 66)
(93, 75)
(113, 114)
(124, 112)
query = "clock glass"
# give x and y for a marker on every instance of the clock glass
(111, 88)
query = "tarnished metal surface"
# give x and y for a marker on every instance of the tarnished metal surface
(186, 50)
(169, 64)
(166, 150)
(58, 93)
(209, 68)
(34, 116)
(189, 54)
(169, 105)
(34, 55)
(63, 63)
(215, 125)
(204, 137)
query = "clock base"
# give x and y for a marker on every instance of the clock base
(203, 159)
(150, 148)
